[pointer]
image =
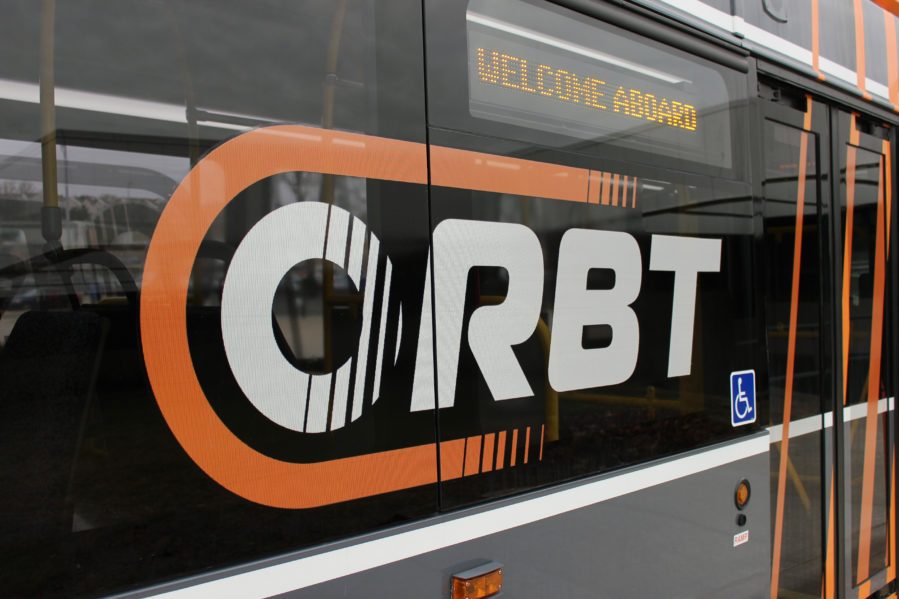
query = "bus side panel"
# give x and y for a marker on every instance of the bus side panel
(671, 540)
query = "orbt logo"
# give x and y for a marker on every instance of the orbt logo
(298, 232)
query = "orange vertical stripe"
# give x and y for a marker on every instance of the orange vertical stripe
(527, 444)
(888, 186)
(816, 48)
(864, 591)
(514, 457)
(624, 191)
(472, 456)
(634, 197)
(847, 245)
(606, 184)
(871, 418)
(889, 24)
(791, 354)
(487, 456)
(451, 455)
(501, 450)
(615, 181)
(860, 48)
(542, 435)
(594, 182)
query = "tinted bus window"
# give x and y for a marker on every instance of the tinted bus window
(579, 348)
(150, 152)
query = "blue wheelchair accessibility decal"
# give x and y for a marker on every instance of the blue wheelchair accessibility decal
(742, 397)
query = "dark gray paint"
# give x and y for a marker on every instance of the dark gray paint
(673, 540)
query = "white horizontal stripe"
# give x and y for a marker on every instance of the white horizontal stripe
(860, 410)
(307, 571)
(811, 424)
(803, 426)
(776, 43)
(21, 91)
(829, 67)
(877, 88)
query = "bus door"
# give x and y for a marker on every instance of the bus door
(826, 279)
(864, 285)
(796, 272)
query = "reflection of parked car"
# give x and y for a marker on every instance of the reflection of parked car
(11, 238)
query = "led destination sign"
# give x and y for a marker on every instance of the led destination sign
(539, 69)
(495, 67)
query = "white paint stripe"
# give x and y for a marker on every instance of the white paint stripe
(341, 393)
(829, 67)
(365, 336)
(382, 333)
(777, 43)
(802, 426)
(877, 88)
(811, 424)
(308, 571)
(357, 249)
(319, 397)
(860, 410)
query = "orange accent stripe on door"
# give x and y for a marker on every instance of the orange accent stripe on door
(464, 169)
(791, 353)
(816, 46)
(472, 456)
(889, 25)
(888, 187)
(847, 245)
(487, 457)
(513, 459)
(527, 444)
(864, 591)
(634, 197)
(542, 434)
(871, 418)
(860, 49)
(501, 450)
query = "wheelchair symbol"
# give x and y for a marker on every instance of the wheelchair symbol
(742, 405)
(742, 397)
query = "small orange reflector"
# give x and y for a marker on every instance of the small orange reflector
(466, 586)
(741, 496)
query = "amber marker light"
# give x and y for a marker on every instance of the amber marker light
(741, 495)
(482, 581)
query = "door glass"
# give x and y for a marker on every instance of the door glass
(866, 389)
(793, 274)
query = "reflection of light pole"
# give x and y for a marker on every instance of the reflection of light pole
(328, 180)
(51, 219)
